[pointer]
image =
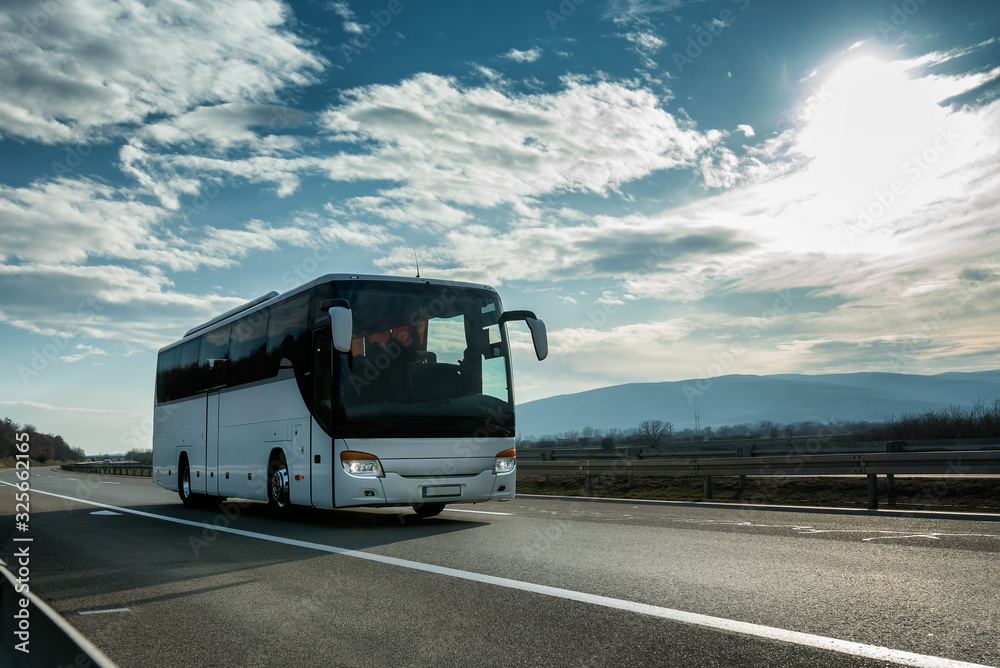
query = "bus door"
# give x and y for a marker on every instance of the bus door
(212, 444)
(321, 459)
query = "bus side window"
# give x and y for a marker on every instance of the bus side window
(286, 333)
(213, 358)
(168, 374)
(188, 381)
(247, 349)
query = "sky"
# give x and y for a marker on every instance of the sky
(679, 189)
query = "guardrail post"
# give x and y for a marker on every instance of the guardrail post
(890, 478)
(744, 451)
(589, 482)
(708, 486)
(632, 453)
(872, 491)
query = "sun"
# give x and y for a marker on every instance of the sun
(869, 118)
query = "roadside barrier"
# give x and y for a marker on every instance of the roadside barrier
(50, 640)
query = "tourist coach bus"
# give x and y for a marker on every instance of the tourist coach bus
(346, 391)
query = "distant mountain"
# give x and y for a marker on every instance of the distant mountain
(734, 400)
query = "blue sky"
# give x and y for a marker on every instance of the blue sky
(679, 189)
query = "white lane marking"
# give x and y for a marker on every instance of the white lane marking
(886, 534)
(480, 512)
(104, 512)
(105, 482)
(101, 612)
(693, 618)
(804, 529)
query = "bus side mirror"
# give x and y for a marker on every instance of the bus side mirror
(538, 336)
(341, 326)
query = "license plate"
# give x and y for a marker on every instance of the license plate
(443, 490)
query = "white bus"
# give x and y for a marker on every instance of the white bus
(346, 391)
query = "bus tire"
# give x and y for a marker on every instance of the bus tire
(188, 498)
(427, 509)
(277, 485)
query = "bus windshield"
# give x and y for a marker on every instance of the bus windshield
(425, 360)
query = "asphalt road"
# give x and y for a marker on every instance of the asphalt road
(532, 582)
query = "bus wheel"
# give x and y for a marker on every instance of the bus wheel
(427, 509)
(188, 498)
(277, 484)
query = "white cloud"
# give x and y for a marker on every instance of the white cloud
(72, 302)
(627, 10)
(96, 67)
(489, 73)
(911, 290)
(83, 259)
(646, 42)
(620, 249)
(529, 56)
(70, 220)
(343, 10)
(85, 351)
(169, 176)
(482, 147)
(70, 409)
(231, 125)
(350, 24)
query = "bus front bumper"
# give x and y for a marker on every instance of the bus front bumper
(398, 490)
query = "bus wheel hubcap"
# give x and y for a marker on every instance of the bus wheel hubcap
(279, 485)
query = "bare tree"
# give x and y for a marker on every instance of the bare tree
(769, 428)
(651, 433)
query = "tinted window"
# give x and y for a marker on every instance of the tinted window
(248, 349)
(188, 383)
(213, 358)
(167, 375)
(286, 332)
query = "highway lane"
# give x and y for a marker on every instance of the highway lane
(927, 586)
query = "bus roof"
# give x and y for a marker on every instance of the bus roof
(273, 297)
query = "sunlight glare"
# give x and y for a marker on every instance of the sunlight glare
(871, 120)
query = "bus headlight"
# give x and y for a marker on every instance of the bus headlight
(361, 464)
(505, 461)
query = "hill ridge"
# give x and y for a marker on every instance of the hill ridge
(747, 398)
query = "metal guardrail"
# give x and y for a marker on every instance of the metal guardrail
(51, 640)
(756, 447)
(746, 458)
(871, 464)
(145, 470)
